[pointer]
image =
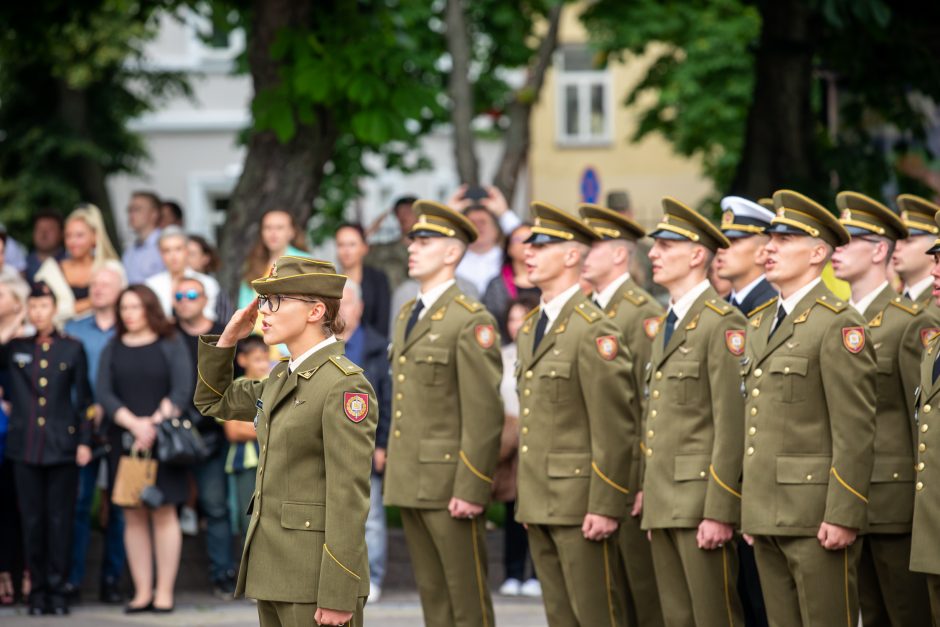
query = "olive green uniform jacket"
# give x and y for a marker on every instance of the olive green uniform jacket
(638, 316)
(316, 428)
(694, 421)
(578, 418)
(895, 325)
(925, 550)
(447, 414)
(810, 418)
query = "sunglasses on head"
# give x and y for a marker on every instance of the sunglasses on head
(188, 294)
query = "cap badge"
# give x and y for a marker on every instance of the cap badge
(781, 212)
(727, 218)
(273, 272)
(846, 214)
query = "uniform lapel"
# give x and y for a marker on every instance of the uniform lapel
(927, 385)
(558, 326)
(797, 316)
(306, 368)
(878, 305)
(689, 322)
(433, 313)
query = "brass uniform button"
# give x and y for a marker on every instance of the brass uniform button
(41, 421)
(659, 375)
(809, 477)
(525, 430)
(653, 413)
(750, 450)
(42, 402)
(577, 471)
(529, 374)
(701, 474)
(525, 448)
(921, 447)
(398, 413)
(525, 412)
(397, 433)
(402, 359)
(894, 476)
(649, 452)
(527, 392)
(307, 524)
(71, 429)
(43, 382)
(755, 392)
(920, 467)
(446, 456)
(752, 431)
(655, 393)
(924, 427)
(927, 408)
(401, 378)
(399, 396)
(758, 372)
(43, 363)
(919, 486)
(650, 434)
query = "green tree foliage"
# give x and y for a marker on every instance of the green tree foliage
(71, 79)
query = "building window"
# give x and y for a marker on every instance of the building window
(584, 99)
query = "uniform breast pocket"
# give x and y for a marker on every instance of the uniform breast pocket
(556, 381)
(431, 365)
(683, 379)
(790, 374)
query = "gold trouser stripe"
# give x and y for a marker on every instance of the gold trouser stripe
(608, 479)
(724, 571)
(835, 474)
(711, 469)
(610, 601)
(333, 557)
(206, 383)
(848, 611)
(476, 562)
(466, 461)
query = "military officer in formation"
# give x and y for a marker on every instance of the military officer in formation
(304, 558)
(694, 428)
(742, 263)
(638, 315)
(925, 551)
(447, 417)
(889, 593)
(578, 428)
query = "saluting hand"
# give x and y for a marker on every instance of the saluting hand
(240, 326)
(331, 617)
(836, 537)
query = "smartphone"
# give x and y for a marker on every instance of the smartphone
(476, 193)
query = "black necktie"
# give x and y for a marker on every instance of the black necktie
(671, 320)
(936, 369)
(907, 295)
(540, 329)
(597, 303)
(781, 314)
(735, 303)
(413, 320)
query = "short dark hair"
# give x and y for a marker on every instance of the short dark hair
(149, 195)
(209, 251)
(48, 213)
(156, 319)
(251, 343)
(355, 226)
(175, 209)
(404, 200)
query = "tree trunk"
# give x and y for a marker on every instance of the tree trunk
(518, 133)
(779, 147)
(461, 93)
(274, 176)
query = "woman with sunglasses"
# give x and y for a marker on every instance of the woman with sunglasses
(305, 558)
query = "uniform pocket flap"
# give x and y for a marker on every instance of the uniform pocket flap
(428, 355)
(803, 469)
(789, 365)
(303, 516)
(885, 365)
(684, 370)
(692, 467)
(569, 465)
(438, 451)
(557, 370)
(890, 469)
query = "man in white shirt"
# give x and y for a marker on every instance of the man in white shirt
(889, 592)
(743, 223)
(492, 218)
(164, 284)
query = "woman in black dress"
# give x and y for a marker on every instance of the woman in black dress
(143, 379)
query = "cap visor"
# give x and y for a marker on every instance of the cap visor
(542, 238)
(785, 229)
(664, 234)
(425, 233)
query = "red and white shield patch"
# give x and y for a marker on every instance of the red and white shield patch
(734, 340)
(928, 334)
(853, 338)
(651, 327)
(356, 405)
(485, 335)
(607, 346)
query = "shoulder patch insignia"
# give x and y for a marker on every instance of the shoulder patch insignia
(607, 346)
(651, 326)
(356, 406)
(927, 334)
(853, 338)
(485, 335)
(469, 305)
(722, 309)
(734, 340)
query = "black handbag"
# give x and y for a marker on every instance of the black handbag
(179, 443)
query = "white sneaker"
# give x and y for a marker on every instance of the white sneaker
(531, 588)
(189, 522)
(375, 593)
(510, 587)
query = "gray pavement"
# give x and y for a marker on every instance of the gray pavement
(396, 609)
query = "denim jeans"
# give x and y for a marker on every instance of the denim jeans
(112, 561)
(213, 501)
(376, 538)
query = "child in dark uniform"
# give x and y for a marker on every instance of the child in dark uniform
(49, 438)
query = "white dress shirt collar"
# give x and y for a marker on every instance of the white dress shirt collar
(739, 297)
(794, 298)
(603, 297)
(432, 295)
(869, 298)
(553, 307)
(682, 306)
(918, 288)
(293, 363)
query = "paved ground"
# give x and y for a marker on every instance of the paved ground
(398, 609)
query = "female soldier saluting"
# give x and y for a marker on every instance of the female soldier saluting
(305, 552)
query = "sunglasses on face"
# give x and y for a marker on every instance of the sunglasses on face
(188, 295)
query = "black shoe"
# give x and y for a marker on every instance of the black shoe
(129, 609)
(72, 592)
(161, 610)
(59, 610)
(224, 589)
(110, 593)
(37, 610)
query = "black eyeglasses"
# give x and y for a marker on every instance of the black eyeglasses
(273, 301)
(188, 294)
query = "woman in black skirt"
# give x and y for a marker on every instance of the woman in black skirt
(143, 379)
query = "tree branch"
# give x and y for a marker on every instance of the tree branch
(461, 93)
